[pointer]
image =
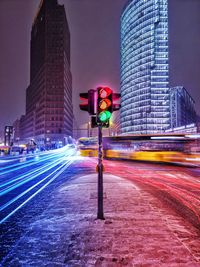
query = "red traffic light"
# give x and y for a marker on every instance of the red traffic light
(104, 92)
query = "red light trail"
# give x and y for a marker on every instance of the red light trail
(171, 184)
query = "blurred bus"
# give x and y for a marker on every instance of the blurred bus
(169, 148)
(88, 146)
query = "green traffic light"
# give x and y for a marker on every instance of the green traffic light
(104, 116)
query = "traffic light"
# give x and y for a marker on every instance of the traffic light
(104, 105)
(100, 103)
(116, 101)
(88, 102)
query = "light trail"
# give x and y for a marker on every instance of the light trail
(32, 165)
(29, 189)
(5, 161)
(57, 164)
(180, 189)
(38, 191)
(20, 165)
(23, 179)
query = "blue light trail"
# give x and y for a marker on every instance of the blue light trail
(36, 176)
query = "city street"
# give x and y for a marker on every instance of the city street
(100, 133)
(55, 224)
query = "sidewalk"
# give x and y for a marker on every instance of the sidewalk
(135, 232)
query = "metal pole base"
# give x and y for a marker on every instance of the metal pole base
(100, 216)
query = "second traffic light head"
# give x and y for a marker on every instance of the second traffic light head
(88, 101)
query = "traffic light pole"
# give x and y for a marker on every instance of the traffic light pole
(100, 214)
(100, 104)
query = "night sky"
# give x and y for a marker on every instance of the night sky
(94, 27)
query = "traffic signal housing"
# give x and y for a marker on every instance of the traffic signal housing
(100, 104)
(88, 102)
(104, 105)
(116, 101)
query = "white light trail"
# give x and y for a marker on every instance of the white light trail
(31, 162)
(39, 190)
(57, 164)
(30, 188)
(23, 178)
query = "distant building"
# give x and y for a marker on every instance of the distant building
(49, 111)
(16, 131)
(145, 106)
(1, 137)
(189, 128)
(198, 123)
(182, 107)
(115, 127)
(8, 135)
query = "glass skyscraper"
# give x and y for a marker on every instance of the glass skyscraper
(144, 67)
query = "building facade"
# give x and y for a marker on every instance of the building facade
(182, 107)
(49, 111)
(145, 100)
(16, 131)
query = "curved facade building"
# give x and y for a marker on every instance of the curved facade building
(145, 106)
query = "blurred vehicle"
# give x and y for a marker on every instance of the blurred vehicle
(88, 146)
(167, 148)
(13, 150)
(4, 150)
(16, 150)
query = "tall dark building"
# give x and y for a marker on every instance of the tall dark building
(49, 111)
